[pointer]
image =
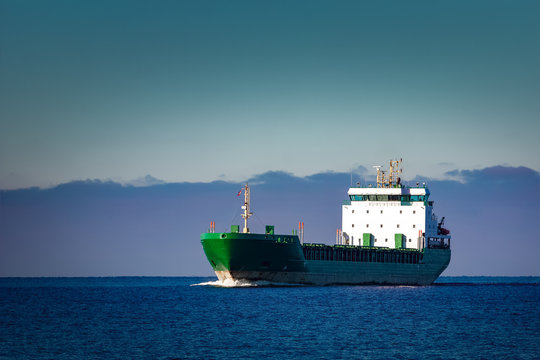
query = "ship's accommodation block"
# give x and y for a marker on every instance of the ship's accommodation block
(391, 217)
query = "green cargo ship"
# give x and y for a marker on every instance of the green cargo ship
(389, 235)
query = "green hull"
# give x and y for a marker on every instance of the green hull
(282, 259)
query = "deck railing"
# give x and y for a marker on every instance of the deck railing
(361, 254)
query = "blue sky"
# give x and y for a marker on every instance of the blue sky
(205, 90)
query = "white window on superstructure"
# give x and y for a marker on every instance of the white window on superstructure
(381, 225)
(398, 225)
(367, 225)
(381, 211)
(352, 225)
(414, 226)
(367, 211)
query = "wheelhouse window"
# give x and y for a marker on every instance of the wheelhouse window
(405, 198)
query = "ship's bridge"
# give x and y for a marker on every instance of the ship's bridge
(388, 194)
(391, 217)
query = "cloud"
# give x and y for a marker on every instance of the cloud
(102, 228)
(499, 174)
(147, 180)
(273, 177)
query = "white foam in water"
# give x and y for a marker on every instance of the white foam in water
(229, 283)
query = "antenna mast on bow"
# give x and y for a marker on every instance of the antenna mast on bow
(247, 214)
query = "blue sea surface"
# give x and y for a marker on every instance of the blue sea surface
(193, 318)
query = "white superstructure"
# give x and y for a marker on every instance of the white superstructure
(390, 215)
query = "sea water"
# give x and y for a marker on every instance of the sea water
(201, 318)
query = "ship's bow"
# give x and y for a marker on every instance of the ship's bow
(240, 256)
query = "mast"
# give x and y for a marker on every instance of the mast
(395, 172)
(393, 176)
(247, 214)
(380, 176)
